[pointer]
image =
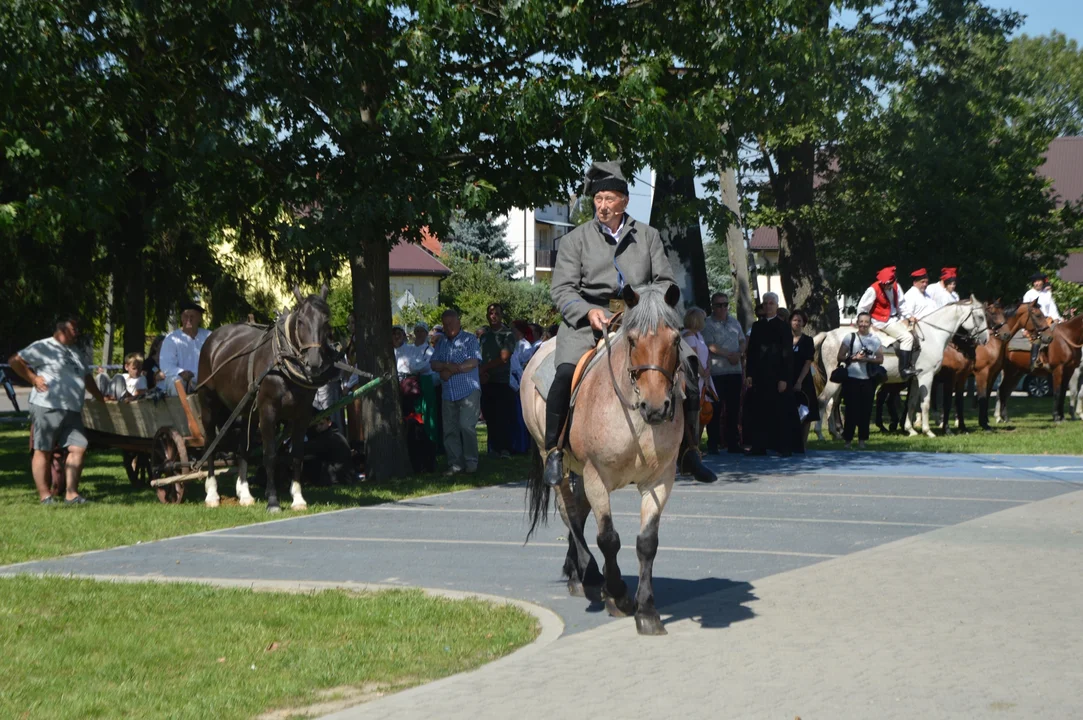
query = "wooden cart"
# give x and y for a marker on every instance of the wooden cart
(158, 438)
(163, 440)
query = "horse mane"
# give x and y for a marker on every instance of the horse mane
(651, 311)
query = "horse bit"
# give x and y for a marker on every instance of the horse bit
(634, 371)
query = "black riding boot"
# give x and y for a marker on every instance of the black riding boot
(689, 461)
(1035, 353)
(556, 414)
(906, 369)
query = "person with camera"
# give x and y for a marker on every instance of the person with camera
(859, 351)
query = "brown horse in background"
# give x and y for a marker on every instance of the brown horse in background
(985, 363)
(1059, 361)
(294, 358)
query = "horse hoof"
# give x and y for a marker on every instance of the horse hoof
(912, 433)
(621, 607)
(247, 502)
(592, 592)
(299, 506)
(575, 588)
(211, 503)
(650, 625)
(931, 434)
(274, 509)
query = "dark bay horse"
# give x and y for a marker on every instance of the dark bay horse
(1059, 361)
(298, 351)
(985, 362)
(627, 429)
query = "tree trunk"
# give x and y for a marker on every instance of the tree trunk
(131, 272)
(802, 283)
(107, 335)
(381, 412)
(738, 251)
(673, 216)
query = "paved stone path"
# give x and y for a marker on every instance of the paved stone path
(845, 585)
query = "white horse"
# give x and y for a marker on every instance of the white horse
(934, 330)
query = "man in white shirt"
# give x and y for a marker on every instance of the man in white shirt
(1041, 291)
(885, 303)
(917, 300)
(179, 357)
(943, 292)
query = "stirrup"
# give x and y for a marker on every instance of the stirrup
(553, 479)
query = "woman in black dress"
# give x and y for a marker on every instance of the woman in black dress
(804, 352)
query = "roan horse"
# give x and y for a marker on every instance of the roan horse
(936, 330)
(613, 443)
(297, 352)
(986, 362)
(1060, 360)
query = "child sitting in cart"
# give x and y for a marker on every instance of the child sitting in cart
(132, 385)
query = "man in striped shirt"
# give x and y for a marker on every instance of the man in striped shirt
(456, 360)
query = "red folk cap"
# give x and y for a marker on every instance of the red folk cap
(919, 274)
(949, 273)
(886, 275)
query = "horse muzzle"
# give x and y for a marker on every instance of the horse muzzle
(655, 414)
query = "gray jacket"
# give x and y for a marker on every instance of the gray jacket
(590, 267)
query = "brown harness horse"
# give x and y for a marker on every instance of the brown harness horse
(1061, 359)
(288, 362)
(986, 362)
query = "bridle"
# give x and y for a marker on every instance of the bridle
(970, 335)
(635, 371)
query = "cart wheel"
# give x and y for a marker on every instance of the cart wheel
(137, 466)
(168, 448)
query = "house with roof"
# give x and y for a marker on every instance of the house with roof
(1063, 165)
(416, 274)
(534, 237)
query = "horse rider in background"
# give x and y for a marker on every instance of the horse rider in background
(596, 261)
(943, 292)
(917, 301)
(1042, 291)
(179, 357)
(884, 301)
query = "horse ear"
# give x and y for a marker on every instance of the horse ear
(323, 291)
(673, 296)
(630, 296)
(297, 293)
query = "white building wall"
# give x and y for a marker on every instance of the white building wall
(521, 238)
(408, 289)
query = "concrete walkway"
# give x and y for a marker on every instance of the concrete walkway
(866, 585)
(982, 619)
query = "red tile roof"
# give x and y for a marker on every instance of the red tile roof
(764, 238)
(407, 258)
(430, 242)
(1064, 166)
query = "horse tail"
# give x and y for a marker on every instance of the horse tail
(537, 491)
(819, 378)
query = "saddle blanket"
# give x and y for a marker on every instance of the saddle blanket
(547, 370)
(1020, 343)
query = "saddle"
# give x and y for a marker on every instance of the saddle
(547, 370)
(887, 342)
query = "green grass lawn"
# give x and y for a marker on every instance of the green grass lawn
(123, 515)
(1031, 430)
(81, 648)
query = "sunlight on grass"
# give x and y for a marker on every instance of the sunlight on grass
(81, 648)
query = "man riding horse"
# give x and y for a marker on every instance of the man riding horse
(884, 301)
(595, 263)
(1041, 291)
(943, 292)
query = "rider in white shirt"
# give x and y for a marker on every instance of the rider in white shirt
(1041, 291)
(943, 292)
(179, 358)
(918, 301)
(886, 304)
